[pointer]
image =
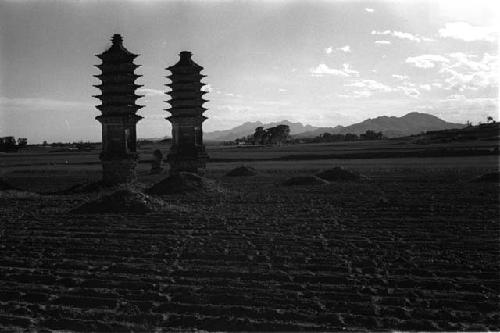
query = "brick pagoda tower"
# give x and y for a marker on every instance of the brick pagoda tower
(187, 152)
(118, 119)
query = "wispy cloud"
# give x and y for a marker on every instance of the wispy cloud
(466, 32)
(426, 60)
(323, 69)
(369, 10)
(369, 85)
(382, 42)
(346, 49)
(150, 92)
(39, 103)
(465, 73)
(400, 77)
(403, 35)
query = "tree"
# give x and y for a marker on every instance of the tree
(279, 134)
(371, 135)
(350, 137)
(22, 142)
(490, 119)
(8, 143)
(258, 136)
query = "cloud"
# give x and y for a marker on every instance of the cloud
(426, 60)
(469, 72)
(347, 69)
(367, 87)
(459, 71)
(369, 10)
(346, 49)
(38, 103)
(150, 92)
(370, 84)
(322, 70)
(409, 91)
(466, 32)
(425, 87)
(403, 35)
(383, 42)
(400, 77)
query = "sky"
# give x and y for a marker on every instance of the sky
(323, 63)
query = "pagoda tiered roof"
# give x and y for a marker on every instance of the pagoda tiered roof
(186, 94)
(117, 80)
(117, 51)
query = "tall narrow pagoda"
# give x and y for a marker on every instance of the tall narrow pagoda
(119, 118)
(187, 152)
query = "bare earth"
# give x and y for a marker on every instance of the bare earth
(415, 247)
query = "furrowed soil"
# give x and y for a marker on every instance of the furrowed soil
(413, 247)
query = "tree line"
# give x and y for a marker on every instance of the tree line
(281, 134)
(9, 143)
(271, 136)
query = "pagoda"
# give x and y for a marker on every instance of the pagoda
(187, 152)
(118, 118)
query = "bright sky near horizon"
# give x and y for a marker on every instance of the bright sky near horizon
(323, 63)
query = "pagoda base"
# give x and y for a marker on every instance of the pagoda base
(187, 164)
(115, 172)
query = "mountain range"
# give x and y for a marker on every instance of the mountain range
(390, 126)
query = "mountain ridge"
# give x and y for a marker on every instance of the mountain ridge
(390, 126)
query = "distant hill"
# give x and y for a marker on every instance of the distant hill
(483, 132)
(409, 124)
(412, 123)
(249, 128)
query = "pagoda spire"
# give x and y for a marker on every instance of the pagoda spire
(187, 152)
(118, 107)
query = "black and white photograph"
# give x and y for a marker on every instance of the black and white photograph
(249, 166)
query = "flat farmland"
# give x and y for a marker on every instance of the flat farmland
(413, 247)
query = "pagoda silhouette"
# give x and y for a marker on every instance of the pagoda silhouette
(118, 106)
(187, 153)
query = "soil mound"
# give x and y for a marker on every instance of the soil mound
(493, 177)
(122, 201)
(304, 180)
(242, 171)
(183, 182)
(339, 174)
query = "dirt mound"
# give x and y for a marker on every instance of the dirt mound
(242, 171)
(182, 183)
(338, 174)
(304, 180)
(493, 177)
(122, 201)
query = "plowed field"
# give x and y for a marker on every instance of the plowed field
(408, 249)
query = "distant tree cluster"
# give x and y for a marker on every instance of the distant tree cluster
(71, 146)
(328, 137)
(9, 144)
(271, 136)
